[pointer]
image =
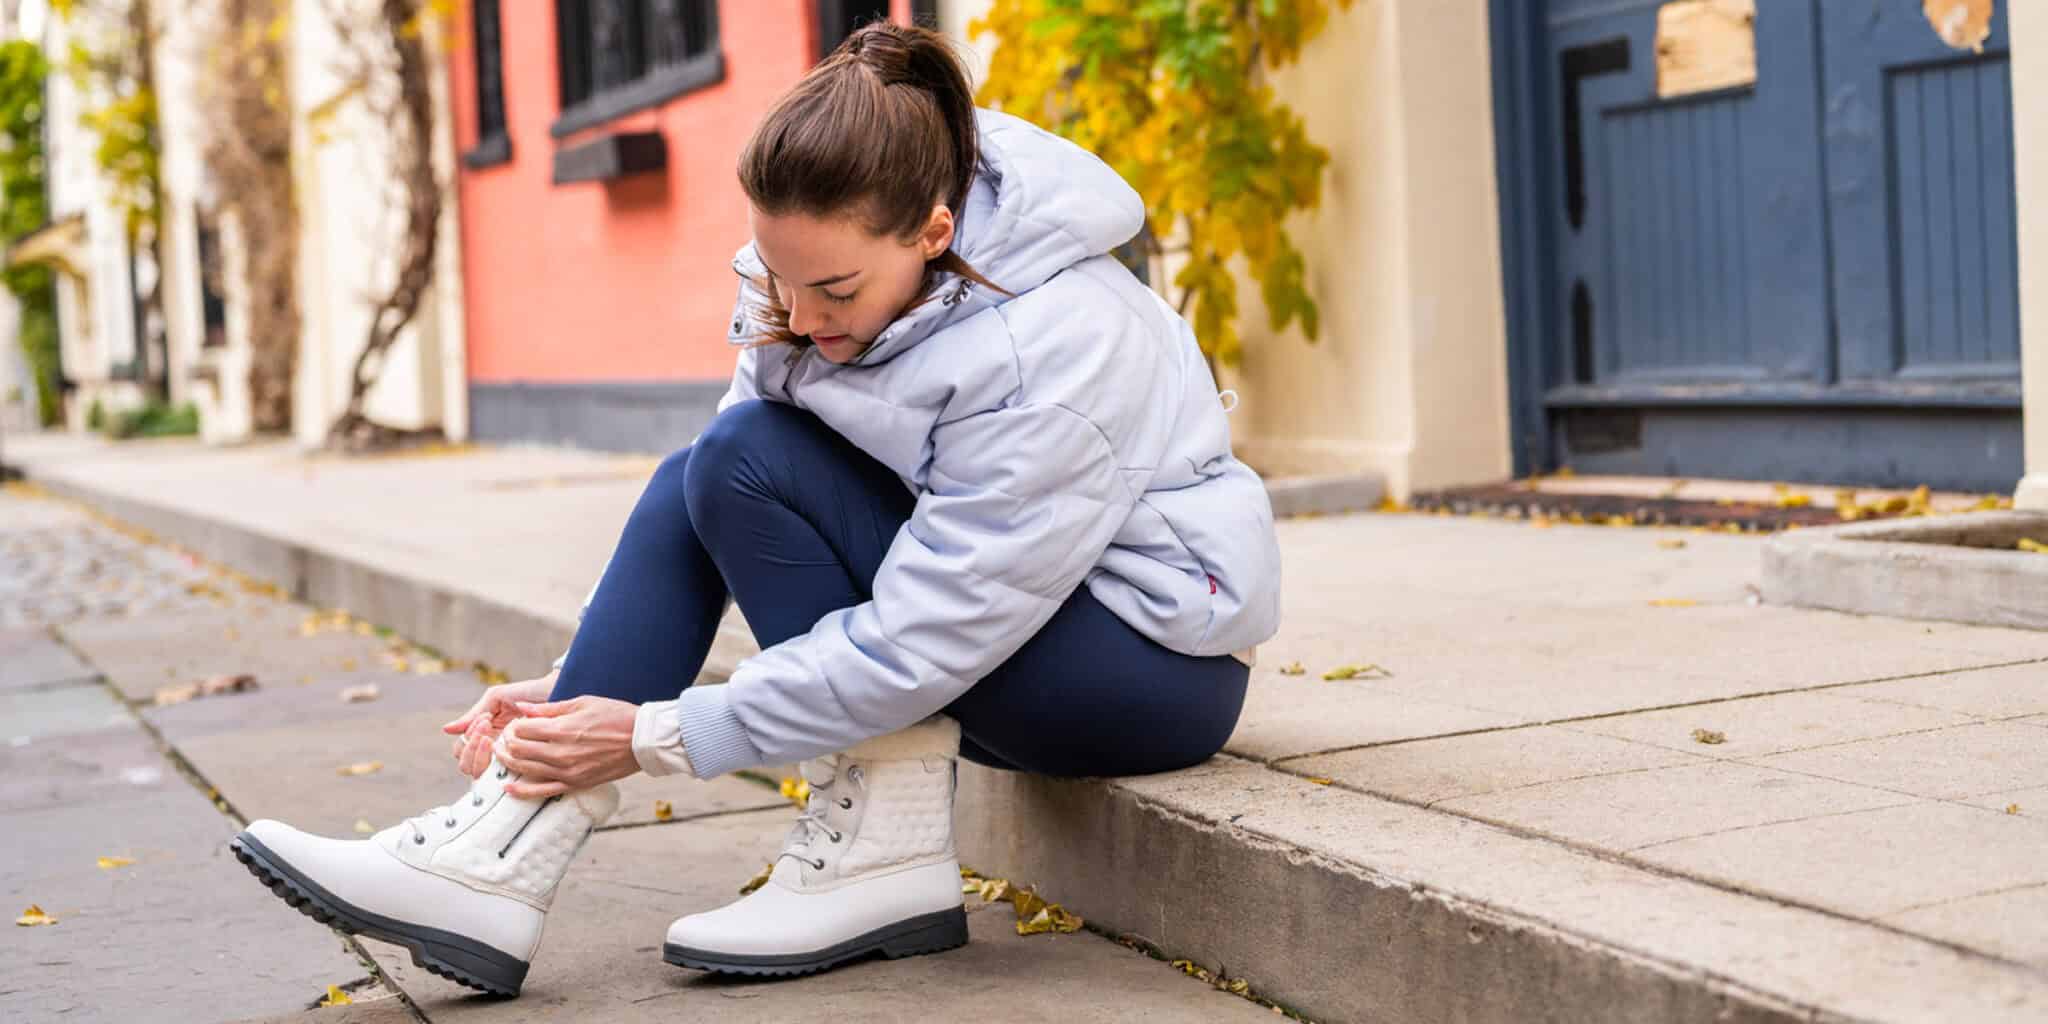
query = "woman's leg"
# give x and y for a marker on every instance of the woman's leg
(794, 516)
(1089, 695)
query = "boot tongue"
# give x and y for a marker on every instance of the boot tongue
(819, 771)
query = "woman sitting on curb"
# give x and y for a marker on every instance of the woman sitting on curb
(972, 488)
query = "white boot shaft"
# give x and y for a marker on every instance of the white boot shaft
(466, 887)
(869, 868)
(498, 843)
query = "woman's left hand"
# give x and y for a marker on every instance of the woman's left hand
(568, 745)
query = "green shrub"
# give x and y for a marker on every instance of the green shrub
(155, 420)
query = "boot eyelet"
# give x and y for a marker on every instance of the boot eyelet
(450, 822)
(845, 804)
(419, 840)
(836, 836)
(502, 772)
(819, 863)
(476, 801)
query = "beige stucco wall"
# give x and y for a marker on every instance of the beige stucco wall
(2029, 29)
(1409, 378)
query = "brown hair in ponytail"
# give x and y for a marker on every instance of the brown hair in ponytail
(881, 129)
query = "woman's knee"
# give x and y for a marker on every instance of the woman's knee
(725, 457)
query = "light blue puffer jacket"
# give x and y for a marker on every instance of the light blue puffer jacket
(1068, 436)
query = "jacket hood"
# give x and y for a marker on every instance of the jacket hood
(1038, 205)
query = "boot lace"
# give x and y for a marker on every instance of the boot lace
(810, 822)
(445, 814)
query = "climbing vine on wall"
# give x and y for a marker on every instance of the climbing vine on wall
(24, 207)
(1173, 94)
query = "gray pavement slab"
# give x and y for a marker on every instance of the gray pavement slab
(2012, 923)
(1945, 764)
(1757, 726)
(31, 715)
(182, 934)
(2019, 690)
(81, 769)
(143, 654)
(32, 658)
(1639, 808)
(1898, 857)
(601, 957)
(1427, 771)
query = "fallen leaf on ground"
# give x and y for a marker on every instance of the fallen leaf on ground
(365, 629)
(2012, 808)
(1356, 672)
(360, 694)
(489, 675)
(1028, 903)
(175, 694)
(212, 686)
(2032, 545)
(1320, 780)
(348, 664)
(336, 997)
(34, 916)
(1293, 668)
(796, 790)
(364, 828)
(1053, 918)
(969, 873)
(1671, 543)
(1709, 736)
(1238, 987)
(110, 863)
(360, 768)
(994, 889)
(662, 810)
(1673, 602)
(758, 880)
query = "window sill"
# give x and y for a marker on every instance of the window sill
(489, 153)
(652, 91)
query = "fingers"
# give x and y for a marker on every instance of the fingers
(536, 758)
(529, 790)
(554, 709)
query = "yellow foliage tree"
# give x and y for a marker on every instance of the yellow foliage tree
(1172, 93)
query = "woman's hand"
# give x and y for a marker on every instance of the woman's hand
(568, 745)
(478, 728)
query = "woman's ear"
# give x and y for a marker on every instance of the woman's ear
(937, 235)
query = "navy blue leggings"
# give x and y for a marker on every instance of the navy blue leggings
(789, 517)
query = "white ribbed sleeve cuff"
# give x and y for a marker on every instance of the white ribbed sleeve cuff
(697, 733)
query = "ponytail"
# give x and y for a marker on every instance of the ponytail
(881, 129)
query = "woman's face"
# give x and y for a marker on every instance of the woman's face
(842, 284)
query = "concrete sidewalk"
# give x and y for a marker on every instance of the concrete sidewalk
(1513, 821)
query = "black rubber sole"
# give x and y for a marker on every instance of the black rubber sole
(462, 960)
(926, 933)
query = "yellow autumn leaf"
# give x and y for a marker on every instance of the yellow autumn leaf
(2012, 808)
(796, 790)
(1238, 987)
(348, 664)
(1673, 602)
(364, 828)
(336, 997)
(1321, 780)
(2029, 544)
(758, 880)
(1293, 668)
(1356, 672)
(110, 863)
(1709, 737)
(490, 676)
(994, 889)
(360, 768)
(34, 916)
(662, 810)
(1671, 543)
(1028, 903)
(1053, 918)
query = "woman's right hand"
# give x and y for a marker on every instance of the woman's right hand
(476, 729)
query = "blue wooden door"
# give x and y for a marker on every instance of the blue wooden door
(1920, 193)
(1811, 276)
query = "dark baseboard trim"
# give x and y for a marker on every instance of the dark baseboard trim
(611, 416)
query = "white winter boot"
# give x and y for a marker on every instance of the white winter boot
(869, 868)
(465, 887)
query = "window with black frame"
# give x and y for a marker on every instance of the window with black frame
(493, 145)
(619, 56)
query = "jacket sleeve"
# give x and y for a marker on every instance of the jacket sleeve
(1020, 503)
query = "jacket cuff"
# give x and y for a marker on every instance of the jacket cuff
(657, 743)
(715, 737)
